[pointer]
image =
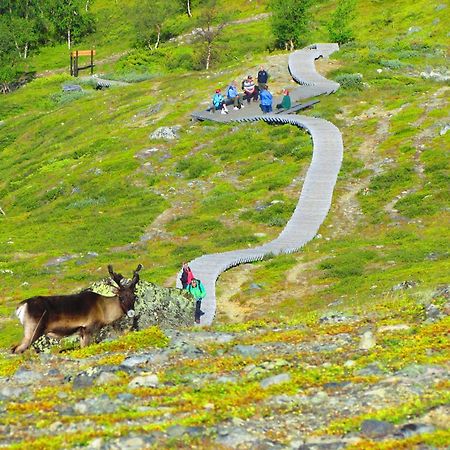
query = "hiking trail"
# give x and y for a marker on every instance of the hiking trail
(316, 194)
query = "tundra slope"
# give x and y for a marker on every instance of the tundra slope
(315, 198)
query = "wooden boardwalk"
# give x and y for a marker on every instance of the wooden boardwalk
(316, 195)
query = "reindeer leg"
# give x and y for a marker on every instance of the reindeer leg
(85, 337)
(86, 334)
(32, 332)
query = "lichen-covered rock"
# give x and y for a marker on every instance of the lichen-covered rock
(155, 305)
(167, 133)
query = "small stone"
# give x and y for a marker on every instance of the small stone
(376, 428)
(412, 30)
(26, 376)
(81, 408)
(370, 369)
(247, 350)
(144, 381)
(368, 341)
(13, 392)
(320, 397)
(107, 378)
(276, 379)
(125, 397)
(95, 444)
(398, 327)
(82, 381)
(133, 443)
(412, 429)
(176, 431)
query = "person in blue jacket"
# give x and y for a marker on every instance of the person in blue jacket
(266, 99)
(218, 103)
(233, 96)
(197, 290)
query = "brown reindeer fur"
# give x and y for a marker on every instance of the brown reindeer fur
(63, 315)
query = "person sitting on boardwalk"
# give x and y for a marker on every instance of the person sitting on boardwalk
(233, 96)
(197, 290)
(266, 99)
(219, 103)
(250, 91)
(186, 276)
(286, 100)
(263, 77)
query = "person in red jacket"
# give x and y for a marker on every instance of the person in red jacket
(186, 276)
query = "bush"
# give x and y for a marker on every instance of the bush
(273, 215)
(350, 80)
(417, 204)
(348, 264)
(130, 77)
(392, 63)
(339, 27)
(63, 98)
(180, 60)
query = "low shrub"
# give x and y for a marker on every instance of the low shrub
(130, 77)
(350, 80)
(63, 98)
(392, 63)
(194, 167)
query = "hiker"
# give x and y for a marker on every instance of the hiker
(266, 99)
(219, 103)
(286, 100)
(263, 76)
(233, 96)
(186, 276)
(250, 91)
(197, 290)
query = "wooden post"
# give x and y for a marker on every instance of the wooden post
(92, 62)
(76, 64)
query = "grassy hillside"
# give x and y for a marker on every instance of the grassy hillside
(83, 185)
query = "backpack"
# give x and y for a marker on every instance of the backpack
(200, 286)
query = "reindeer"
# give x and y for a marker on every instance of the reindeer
(62, 315)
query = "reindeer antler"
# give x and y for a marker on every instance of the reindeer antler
(135, 279)
(117, 277)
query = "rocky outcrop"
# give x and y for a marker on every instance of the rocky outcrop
(165, 307)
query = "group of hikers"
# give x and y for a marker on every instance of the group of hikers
(195, 287)
(250, 91)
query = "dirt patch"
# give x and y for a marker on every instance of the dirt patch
(229, 284)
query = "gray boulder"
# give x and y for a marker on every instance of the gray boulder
(167, 133)
(167, 308)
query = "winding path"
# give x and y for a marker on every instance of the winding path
(315, 198)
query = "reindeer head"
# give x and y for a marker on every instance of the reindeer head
(126, 293)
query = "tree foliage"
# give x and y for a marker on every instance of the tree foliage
(210, 23)
(27, 24)
(149, 17)
(290, 19)
(339, 27)
(70, 20)
(8, 56)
